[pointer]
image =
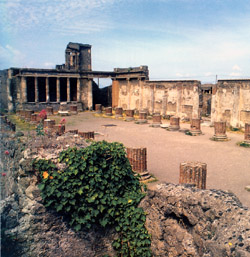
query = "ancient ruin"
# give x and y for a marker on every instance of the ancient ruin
(72, 83)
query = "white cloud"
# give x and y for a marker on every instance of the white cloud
(10, 56)
(49, 65)
(236, 67)
(75, 16)
(235, 74)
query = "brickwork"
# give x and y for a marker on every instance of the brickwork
(195, 127)
(247, 133)
(87, 135)
(174, 123)
(193, 173)
(108, 111)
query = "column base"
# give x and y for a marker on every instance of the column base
(173, 128)
(194, 132)
(220, 138)
(118, 116)
(141, 122)
(155, 125)
(129, 119)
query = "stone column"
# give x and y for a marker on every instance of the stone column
(129, 115)
(58, 89)
(152, 98)
(87, 135)
(90, 97)
(24, 89)
(156, 120)
(142, 118)
(193, 173)
(36, 90)
(220, 131)
(174, 123)
(108, 111)
(98, 108)
(118, 112)
(68, 90)
(164, 105)
(140, 94)
(195, 127)
(47, 89)
(129, 93)
(247, 133)
(78, 90)
(138, 160)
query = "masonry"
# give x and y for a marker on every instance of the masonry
(73, 83)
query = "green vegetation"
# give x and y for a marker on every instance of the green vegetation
(98, 187)
(243, 144)
(21, 125)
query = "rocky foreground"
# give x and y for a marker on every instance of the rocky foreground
(183, 221)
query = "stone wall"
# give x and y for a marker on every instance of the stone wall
(179, 98)
(231, 102)
(3, 90)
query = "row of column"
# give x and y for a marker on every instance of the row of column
(47, 89)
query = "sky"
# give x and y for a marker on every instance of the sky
(176, 39)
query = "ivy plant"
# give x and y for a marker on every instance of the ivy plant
(98, 187)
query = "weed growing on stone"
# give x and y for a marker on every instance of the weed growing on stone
(98, 187)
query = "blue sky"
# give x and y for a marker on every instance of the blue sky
(177, 39)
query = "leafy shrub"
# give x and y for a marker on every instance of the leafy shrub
(98, 187)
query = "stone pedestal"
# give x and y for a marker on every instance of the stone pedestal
(129, 115)
(47, 123)
(28, 114)
(98, 108)
(220, 131)
(59, 129)
(73, 109)
(49, 110)
(138, 161)
(156, 120)
(174, 123)
(142, 118)
(108, 111)
(193, 173)
(195, 127)
(118, 112)
(34, 118)
(247, 133)
(87, 135)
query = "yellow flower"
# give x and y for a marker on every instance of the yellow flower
(45, 174)
(129, 201)
(51, 177)
(230, 243)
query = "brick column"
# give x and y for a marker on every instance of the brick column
(247, 133)
(193, 173)
(156, 120)
(68, 90)
(195, 127)
(36, 90)
(174, 123)
(28, 114)
(58, 89)
(49, 123)
(49, 110)
(33, 118)
(98, 108)
(73, 109)
(47, 89)
(78, 90)
(118, 112)
(142, 118)
(108, 111)
(138, 161)
(220, 131)
(129, 115)
(24, 89)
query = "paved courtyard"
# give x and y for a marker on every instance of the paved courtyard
(228, 165)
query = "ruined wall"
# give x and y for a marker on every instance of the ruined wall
(3, 90)
(179, 98)
(231, 102)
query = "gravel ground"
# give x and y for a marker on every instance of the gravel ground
(228, 165)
